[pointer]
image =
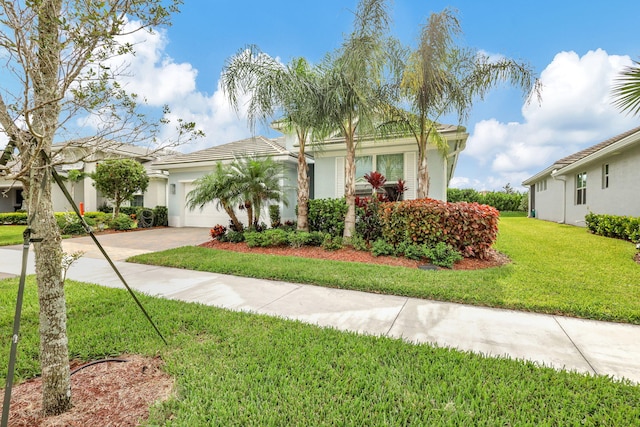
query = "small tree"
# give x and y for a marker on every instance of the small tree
(119, 180)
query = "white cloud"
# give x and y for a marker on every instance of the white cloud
(159, 80)
(575, 112)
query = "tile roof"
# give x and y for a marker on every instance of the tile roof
(258, 146)
(572, 158)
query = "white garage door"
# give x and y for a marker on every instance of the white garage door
(207, 217)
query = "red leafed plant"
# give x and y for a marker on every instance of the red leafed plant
(217, 231)
(376, 180)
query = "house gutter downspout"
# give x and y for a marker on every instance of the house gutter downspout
(557, 177)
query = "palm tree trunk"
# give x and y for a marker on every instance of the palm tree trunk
(232, 215)
(303, 190)
(350, 189)
(423, 171)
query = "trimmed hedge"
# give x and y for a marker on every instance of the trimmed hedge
(498, 199)
(470, 228)
(619, 227)
(327, 216)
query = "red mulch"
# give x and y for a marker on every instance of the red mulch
(106, 394)
(494, 259)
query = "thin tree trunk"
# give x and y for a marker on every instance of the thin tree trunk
(303, 189)
(54, 356)
(350, 189)
(423, 172)
(232, 215)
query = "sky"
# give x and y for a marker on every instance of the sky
(575, 47)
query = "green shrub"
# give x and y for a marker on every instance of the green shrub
(415, 252)
(121, 222)
(274, 215)
(327, 215)
(160, 216)
(382, 247)
(368, 224)
(359, 244)
(501, 200)
(13, 218)
(316, 238)
(332, 243)
(619, 227)
(297, 239)
(234, 236)
(253, 239)
(275, 237)
(442, 255)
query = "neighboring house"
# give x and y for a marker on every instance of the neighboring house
(83, 155)
(183, 169)
(602, 179)
(394, 157)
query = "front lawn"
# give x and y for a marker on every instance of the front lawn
(11, 235)
(555, 268)
(234, 368)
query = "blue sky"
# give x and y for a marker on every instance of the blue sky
(576, 47)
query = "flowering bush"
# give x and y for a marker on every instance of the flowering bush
(217, 231)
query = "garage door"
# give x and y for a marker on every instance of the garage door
(207, 217)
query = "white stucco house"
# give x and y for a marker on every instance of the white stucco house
(602, 179)
(84, 155)
(184, 169)
(394, 157)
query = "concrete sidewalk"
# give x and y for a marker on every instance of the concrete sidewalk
(564, 343)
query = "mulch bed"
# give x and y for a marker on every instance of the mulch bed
(494, 259)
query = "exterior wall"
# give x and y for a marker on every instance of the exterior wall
(621, 197)
(548, 202)
(329, 169)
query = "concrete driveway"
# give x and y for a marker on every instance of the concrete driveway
(120, 246)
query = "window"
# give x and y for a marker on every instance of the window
(541, 186)
(581, 188)
(138, 200)
(605, 176)
(364, 165)
(389, 165)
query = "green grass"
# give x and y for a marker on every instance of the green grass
(11, 235)
(234, 368)
(556, 269)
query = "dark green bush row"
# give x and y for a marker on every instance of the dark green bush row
(619, 227)
(500, 200)
(279, 237)
(327, 216)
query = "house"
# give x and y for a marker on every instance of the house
(602, 179)
(395, 157)
(83, 155)
(184, 169)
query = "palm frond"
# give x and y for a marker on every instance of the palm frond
(626, 90)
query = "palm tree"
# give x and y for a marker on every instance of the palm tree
(353, 89)
(217, 186)
(258, 181)
(274, 88)
(440, 77)
(626, 90)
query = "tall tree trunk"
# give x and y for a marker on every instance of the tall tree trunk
(350, 188)
(54, 356)
(303, 188)
(43, 122)
(423, 171)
